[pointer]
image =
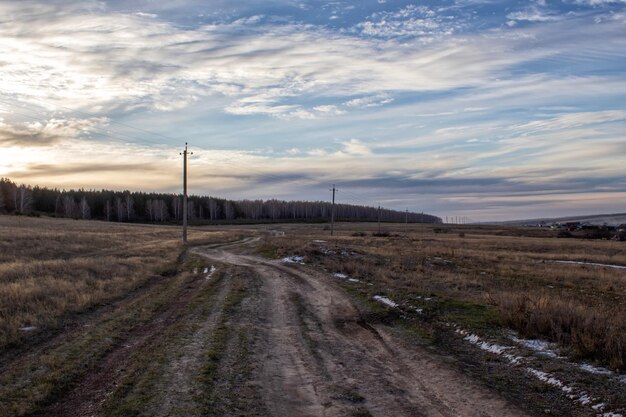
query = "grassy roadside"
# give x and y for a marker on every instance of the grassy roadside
(227, 363)
(50, 370)
(141, 388)
(488, 279)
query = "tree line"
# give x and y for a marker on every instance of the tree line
(142, 207)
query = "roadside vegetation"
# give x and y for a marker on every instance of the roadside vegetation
(52, 269)
(114, 319)
(487, 278)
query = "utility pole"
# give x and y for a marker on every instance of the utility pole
(185, 153)
(379, 219)
(332, 212)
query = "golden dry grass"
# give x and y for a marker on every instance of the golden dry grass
(509, 270)
(51, 268)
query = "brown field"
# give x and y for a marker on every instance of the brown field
(583, 308)
(51, 268)
(117, 320)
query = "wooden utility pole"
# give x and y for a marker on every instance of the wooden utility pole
(379, 219)
(184, 154)
(332, 212)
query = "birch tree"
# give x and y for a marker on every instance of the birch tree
(23, 198)
(85, 211)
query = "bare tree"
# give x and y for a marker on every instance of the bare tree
(69, 206)
(119, 209)
(161, 210)
(107, 210)
(229, 210)
(85, 211)
(58, 204)
(212, 206)
(130, 207)
(22, 198)
(150, 209)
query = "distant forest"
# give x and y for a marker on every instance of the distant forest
(141, 207)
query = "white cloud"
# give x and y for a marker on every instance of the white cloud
(356, 147)
(410, 21)
(370, 101)
(46, 132)
(329, 109)
(533, 14)
(571, 120)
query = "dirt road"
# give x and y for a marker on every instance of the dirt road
(320, 358)
(257, 338)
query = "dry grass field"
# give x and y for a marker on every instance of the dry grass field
(115, 319)
(490, 276)
(52, 268)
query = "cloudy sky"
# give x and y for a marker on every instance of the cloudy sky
(479, 108)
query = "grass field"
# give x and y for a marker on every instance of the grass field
(489, 277)
(53, 268)
(87, 304)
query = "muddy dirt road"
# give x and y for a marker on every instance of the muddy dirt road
(253, 337)
(320, 358)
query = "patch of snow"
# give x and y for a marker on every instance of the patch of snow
(386, 301)
(599, 407)
(594, 369)
(28, 328)
(319, 241)
(294, 260)
(580, 397)
(490, 347)
(419, 310)
(493, 348)
(206, 271)
(354, 280)
(540, 346)
(513, 359)
(548, 379)
(340, 275)
(210, 271)
(584, 399)
(591, 264)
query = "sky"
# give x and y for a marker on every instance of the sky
(490, 110)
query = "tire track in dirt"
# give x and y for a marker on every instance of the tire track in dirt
(306, 367)
(89, 394)
(184, 360)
